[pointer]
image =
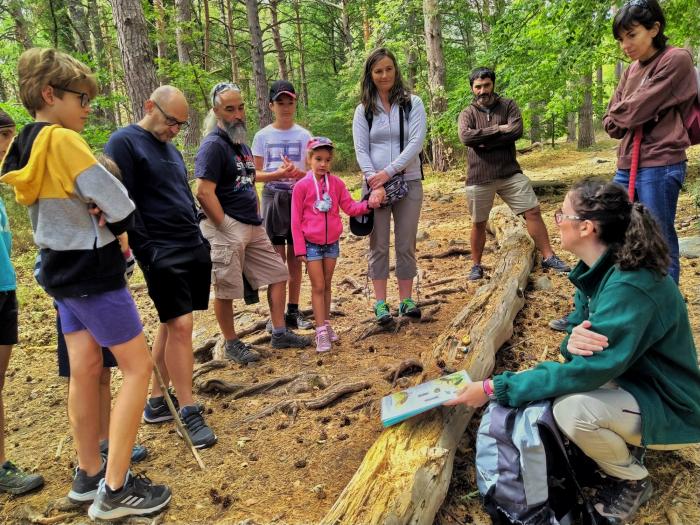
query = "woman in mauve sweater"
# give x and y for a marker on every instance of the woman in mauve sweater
(653, 97)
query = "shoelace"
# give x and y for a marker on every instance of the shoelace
(323, 338)
(141, 484)
(194, 421)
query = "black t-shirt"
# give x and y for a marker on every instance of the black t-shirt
(231, 167)
(155, 174)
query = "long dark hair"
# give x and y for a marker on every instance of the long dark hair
(399, 94)
(629, 230)
(642, 12)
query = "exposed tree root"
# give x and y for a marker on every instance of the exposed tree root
(265, 387)
(452, 252)
(255, 327)
(353, 284)
(209, 366)
(220, 386)
(204, 352)
(392, 328)
(441, 281)
(404, 368)
(445, 291)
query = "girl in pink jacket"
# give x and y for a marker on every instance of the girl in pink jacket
(316, 228)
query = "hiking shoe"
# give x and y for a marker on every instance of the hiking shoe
(157, 411)
(84, 487)
(334, 337)
(289, 339)
(476, 273)
(138, 497)
(382, 313)
(555, 263)
(138, 452)
(560, 325)
(201, 435)
(15, 481)
(297, 320)
(617, 501)
(241, 353)
(409, 308)
(323, 340)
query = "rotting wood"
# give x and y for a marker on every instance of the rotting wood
(405, 474)
(452, 252)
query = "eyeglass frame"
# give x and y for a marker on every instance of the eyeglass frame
(171, 121)
(85, 99)
(559, 217)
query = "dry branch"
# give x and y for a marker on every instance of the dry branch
(445, 291)
(405, 475)
(452, 252)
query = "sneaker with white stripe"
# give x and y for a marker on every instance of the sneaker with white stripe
(138, 497)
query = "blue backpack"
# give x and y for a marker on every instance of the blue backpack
(524, 468)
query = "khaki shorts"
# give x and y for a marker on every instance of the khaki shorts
(238, 249)
(516, 191)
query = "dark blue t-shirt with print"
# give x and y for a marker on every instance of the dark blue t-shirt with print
(155, 174)
(230, 166)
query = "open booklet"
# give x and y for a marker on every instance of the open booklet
(420, 398)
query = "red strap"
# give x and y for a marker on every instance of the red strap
(636, 144)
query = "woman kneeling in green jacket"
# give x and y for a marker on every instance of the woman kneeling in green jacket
(630, 372)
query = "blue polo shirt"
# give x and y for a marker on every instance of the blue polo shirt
(230, 166)
(155, 174)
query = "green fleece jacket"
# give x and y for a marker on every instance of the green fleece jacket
(651, 353)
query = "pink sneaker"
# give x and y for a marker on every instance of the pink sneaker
(334, 337)
(323, 340)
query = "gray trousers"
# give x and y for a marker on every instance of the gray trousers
(406, 213)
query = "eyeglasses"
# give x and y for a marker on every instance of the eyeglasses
(559, 216)
(220, 88)
(170, 120)
(84, 97)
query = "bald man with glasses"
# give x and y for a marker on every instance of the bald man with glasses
(169, 247)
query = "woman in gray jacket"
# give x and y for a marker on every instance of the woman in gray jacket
(376, 130)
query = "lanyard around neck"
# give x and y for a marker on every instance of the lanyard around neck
(318, 192)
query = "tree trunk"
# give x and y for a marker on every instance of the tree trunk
(436, 79)
(412, 54)
(366, 24)
(586, 135)
(345, 27)
(107, 113)
(277, 39)
(258, 58)
(599, 91)
(161, 42)
(206, 63)
(535, 124)
(182, 32)
(571, 127)
(81, 33)
(231, 41)
(137, 60)
(300, 44)
(405, 475)
(21, 30)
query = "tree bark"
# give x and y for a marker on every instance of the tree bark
(436, 79)
(586, 134)
(405, 475)
(161, 42)
(258, 58)
(21, 27)
(412, 53)
(135, 49)
(571, 127)
(535, 124)
(599, 91)
(206, 62)
(302, 61)
(182, 40)
(277, 39)
(345, 27)
(233, 53)
(81, 33)
(366, 24)
(98, 51)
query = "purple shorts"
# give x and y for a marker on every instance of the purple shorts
(110, 317)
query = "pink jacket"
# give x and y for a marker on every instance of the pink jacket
(309, 224)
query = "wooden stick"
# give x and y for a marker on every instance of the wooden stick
(59, 448)
(58, 518)
(176, 416)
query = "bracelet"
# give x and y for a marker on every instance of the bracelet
(486, 385)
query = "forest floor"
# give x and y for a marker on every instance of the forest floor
(290, 466)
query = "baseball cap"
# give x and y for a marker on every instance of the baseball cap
(282, 87)
(319, 142)
(362, 225)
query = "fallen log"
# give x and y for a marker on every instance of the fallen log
(405, 474)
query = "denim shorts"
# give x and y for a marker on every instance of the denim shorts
(316, 252)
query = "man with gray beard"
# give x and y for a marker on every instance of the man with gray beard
(225, 174)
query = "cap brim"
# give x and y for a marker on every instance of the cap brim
(278, 95)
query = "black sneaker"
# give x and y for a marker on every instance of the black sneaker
(617, 501)
(560, 325)
(240, 352)
(84, 487)
(476, 273)
(156, 410)
(138, 452)
(555, 263)
(297, 320)
(201, 435)
(290, 340)
(138, 497)
(14, 480)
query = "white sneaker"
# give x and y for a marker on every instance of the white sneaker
(323, 340)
